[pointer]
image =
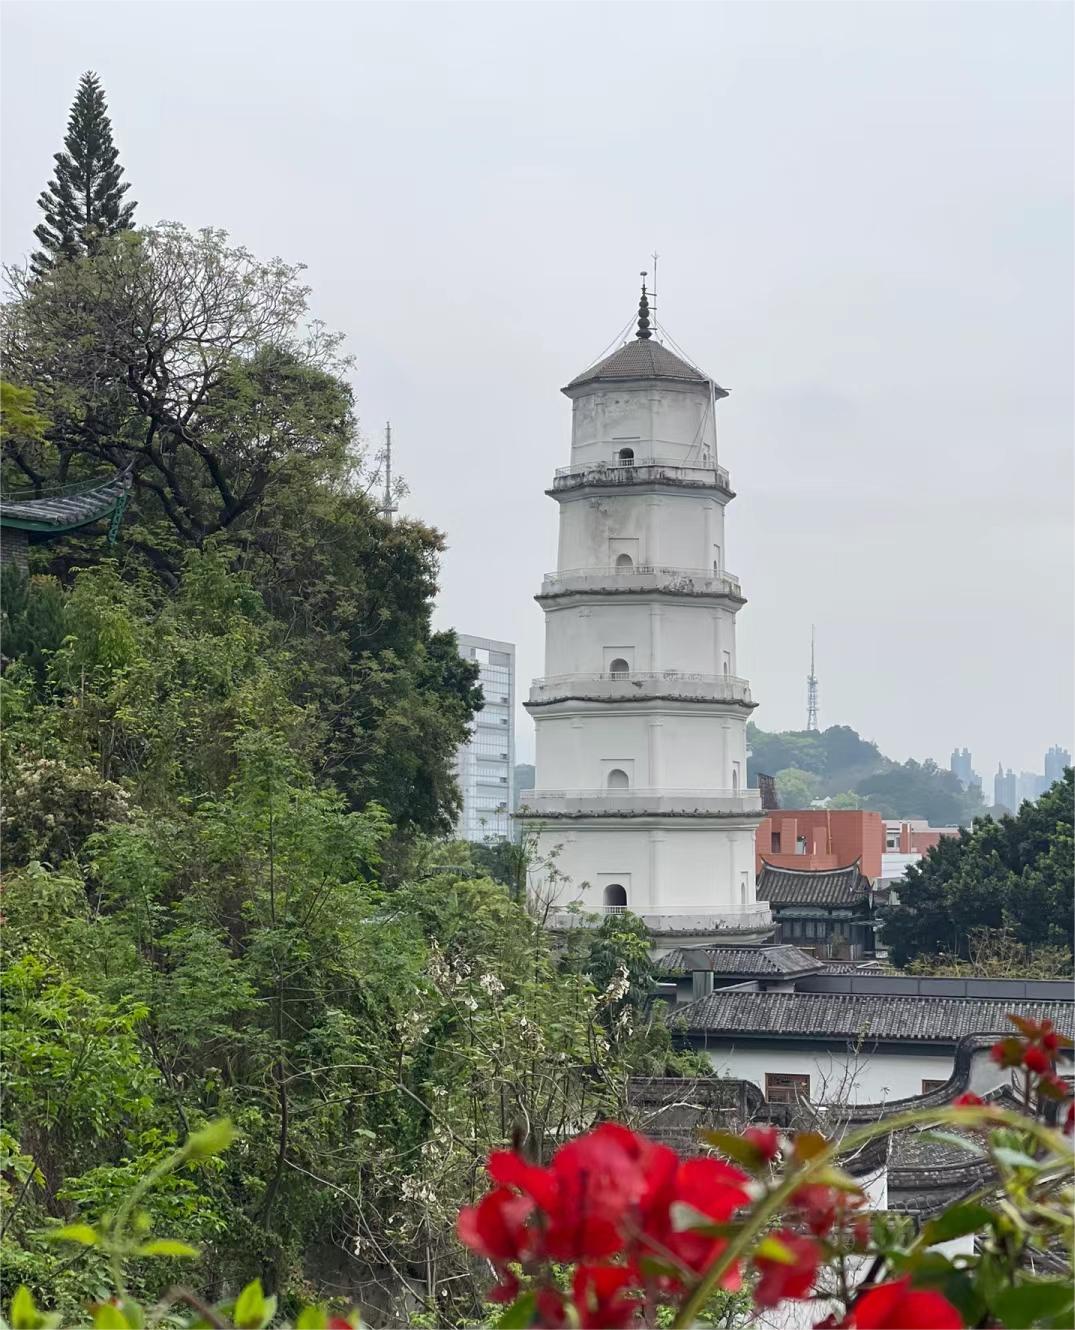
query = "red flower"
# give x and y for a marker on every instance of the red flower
(766, 1140)
(496, 1227)
(1050, 1041)
(711, 1187)
(968, 1100)
(1069, 1121)
(551, 1314)
(599, 1179)
(1007, 1052)
(600, 1297)
(787, 1279)
(897, 1306)
(1036, 1059)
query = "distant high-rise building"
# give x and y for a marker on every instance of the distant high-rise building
(1006, 789)
(961, 768)
(485, 766)
(1056, 759)
(1030, 786)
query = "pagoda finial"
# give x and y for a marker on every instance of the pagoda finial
(644, 333)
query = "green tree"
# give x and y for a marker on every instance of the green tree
(845, 800)
(796, 788)
(83, 203)
(920, 789)
(1012, 876)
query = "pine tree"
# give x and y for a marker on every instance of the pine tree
(83, 203)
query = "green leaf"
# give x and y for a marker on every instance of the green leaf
(167, 1247)
(1034, 1303)
(520, 1314)
(956, 1222)
(808, 1145)
(107, 1316)
(24, 1314)
(80, 1233)
(686, 1219)
(249, 1311)
(1017, 1159)
(772, 1249)
(734, 1147)
(211, 1140)
(313, 1317)
(836, 1177)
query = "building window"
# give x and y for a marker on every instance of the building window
(744, 886)
(626, 456)
(618, 779)
(776, 842)
(615, 898)
(928, 1085)
(619, 668)
(624, 562)
(786, 1087)
(800, 844)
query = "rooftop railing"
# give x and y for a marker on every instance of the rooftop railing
(617, 471)
(670, 577)
(643, 683)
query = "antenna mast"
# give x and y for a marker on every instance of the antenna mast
(388, 507)
(653, 303)
(811, 689)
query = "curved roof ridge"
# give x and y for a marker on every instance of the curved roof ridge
(806, 872)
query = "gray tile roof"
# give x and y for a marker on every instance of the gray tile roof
(850, 1015)
(641, 359)
(80, 505)
(776, 961)
(809, 886)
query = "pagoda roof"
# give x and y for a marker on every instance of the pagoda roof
(67, 508)
(642, 360)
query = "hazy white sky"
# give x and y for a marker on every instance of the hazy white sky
(864, 216)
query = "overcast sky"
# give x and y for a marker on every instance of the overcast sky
(864, 217)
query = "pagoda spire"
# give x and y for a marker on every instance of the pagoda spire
(644, 333)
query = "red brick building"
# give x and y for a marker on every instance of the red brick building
(820, 838)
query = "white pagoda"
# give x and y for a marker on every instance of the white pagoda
(641, 798)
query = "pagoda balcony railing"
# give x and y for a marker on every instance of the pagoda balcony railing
(641, 577)
(639, 470)
(639, 802)
(632, 685)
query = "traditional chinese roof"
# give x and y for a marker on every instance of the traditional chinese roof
(813, 886)
(781, 961)
(72, 507)
(733, 1013)
(641, 360)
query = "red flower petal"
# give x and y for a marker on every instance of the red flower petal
(766, 1140)
(600, 1296)
(967, 1100)
(897, 1306)
(1036, 1059)
(511, 1170)
(781, 1280)
(496, 1227)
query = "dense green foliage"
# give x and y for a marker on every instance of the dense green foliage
(1014, 874)
(198, 924)
(83, 202)
(850, 772)
(194, 364)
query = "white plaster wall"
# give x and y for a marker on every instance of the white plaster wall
(669, 634)
(675, 530)
(691, 867)
(674, 416)
(865, 1079)
(689, 748)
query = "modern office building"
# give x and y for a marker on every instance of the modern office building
(1056, 759)
(485, 766)
(961, 766)
(1006, 789)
